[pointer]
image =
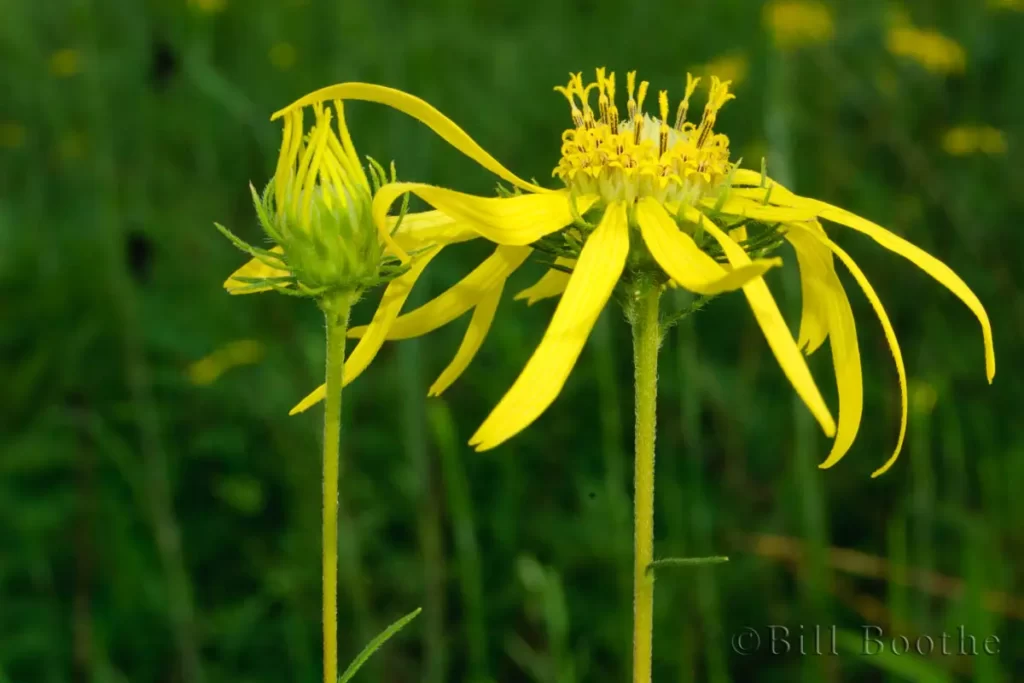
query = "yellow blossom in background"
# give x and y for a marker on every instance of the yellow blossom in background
(1014, 5)
(209, 6)
(657, 199)
(65, 63)
(70, 147)
(794, 23)
(932, 50)
(966, 140)
(923, 397)
(12, 134)
(731, 67)
(283, 55)
(235, 354)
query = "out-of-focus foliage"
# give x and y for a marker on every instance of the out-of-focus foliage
(159, 513)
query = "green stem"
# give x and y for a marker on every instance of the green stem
(336, 312)
(646, 337)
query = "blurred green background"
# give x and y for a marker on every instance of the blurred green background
(159, 520)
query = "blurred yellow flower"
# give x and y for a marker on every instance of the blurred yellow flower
(235, 354)
(283, 55)
(966, 140)
(923, 397)
(1015, 5)
(731, 67)
(70, 146)
(12, 134)
(794, 23)
(657, 200)
(927, 47)
(65, 63)
(209, 6)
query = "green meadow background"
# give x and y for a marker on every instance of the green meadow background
(160, 520)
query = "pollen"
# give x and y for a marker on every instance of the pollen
(641, 155)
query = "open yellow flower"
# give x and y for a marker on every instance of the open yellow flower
(656, 198)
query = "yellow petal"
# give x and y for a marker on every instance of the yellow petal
(890, 336)
(816, 283)
(591, 284)
(427, 228)
(822, 287)
(516, 221)
(773, 325)
(254, 268)
(419, 110)
(458, 299)
(747, 208)
(926, 262)
(366, 350)
(552, 283)
(685, 262)
(922, 259)
(479, 325)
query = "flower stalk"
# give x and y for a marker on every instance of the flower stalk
(646, 339)
(336, 310)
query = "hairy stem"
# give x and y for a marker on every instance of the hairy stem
(646, 337)
(336, 311)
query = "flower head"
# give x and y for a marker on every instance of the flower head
(648, 202)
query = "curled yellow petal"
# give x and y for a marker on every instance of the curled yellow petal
(254, 268)
(816, 279)
(919, 257)
(419, 110)
(458, 299)
(827, 298)
(516, 221)
(685, 262)
(552, 283)
(596, 274)
(890, 336)
(479, 325)
(366, 350)
(773, 325)
(747, 208)
(926, 262)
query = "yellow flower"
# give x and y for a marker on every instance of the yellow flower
(12, 134)
(795, 23)
(317, 209)
(966, 140)
(65, 63)
(282, 56)
(653, 198)
(235, 354)
(730, 67)
(929, 48)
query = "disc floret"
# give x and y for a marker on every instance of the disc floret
(642, 156)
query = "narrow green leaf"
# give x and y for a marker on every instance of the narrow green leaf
(375, 645)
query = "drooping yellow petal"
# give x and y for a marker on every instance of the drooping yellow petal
(419, 110)
(890, 336)
(366, 350)
(685, 262)
(816, 277)
(591, 284)
(780, 196)
(552, 283)
(926, 262)
(479, 325)
(458, 299)
(516, 221)
(773, 325)
(254, 268)
(824, 291)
